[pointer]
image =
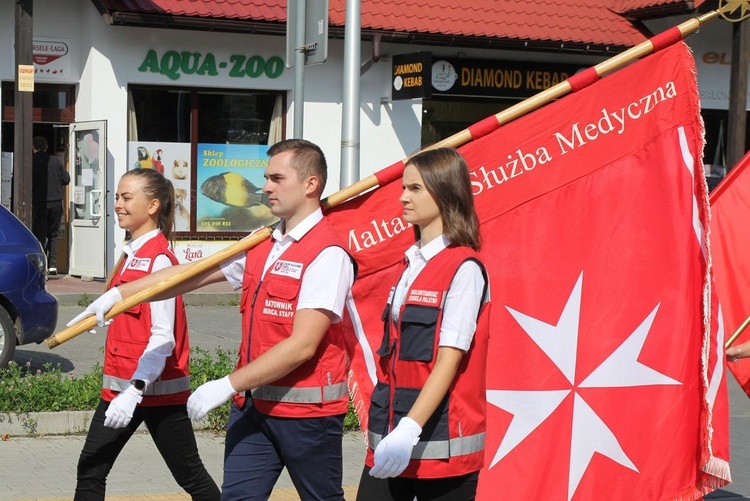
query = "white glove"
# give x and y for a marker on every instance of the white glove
(393, 452)
(209, 396)
(100, 307)
(121, 409)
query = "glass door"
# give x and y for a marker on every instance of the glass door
(88, 225)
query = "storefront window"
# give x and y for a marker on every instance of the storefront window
(233, 138)
(212, 146)
(234, 118)
(159, 115)
(51, 102)
(443, 118)
(714, 151)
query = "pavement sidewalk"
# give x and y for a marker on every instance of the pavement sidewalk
(43, 468)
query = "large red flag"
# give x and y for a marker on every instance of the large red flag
(730, 246)
(605, 374)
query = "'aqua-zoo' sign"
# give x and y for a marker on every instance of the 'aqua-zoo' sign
(174, 64)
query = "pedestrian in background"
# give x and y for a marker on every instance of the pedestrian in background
(48, 176)
(292, 354)
(427, 414)
(146, 373)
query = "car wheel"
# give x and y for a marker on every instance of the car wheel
(7, 338)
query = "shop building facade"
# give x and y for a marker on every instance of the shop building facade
(202, 107)
(194, 104)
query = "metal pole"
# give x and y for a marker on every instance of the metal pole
(349, 170)
(299, 70)
(737, 123)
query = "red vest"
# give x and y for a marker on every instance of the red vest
(318, 387)
(129, 332)
(452, 440)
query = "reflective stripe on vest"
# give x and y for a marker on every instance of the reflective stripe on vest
(316, 395)
(156, 388)
(439, 449)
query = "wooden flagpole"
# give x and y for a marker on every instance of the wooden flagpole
(484, 127)
(737, 333)
(188, 272)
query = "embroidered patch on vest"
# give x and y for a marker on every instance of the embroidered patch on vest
(287, 269)
(276, 308)
(423, 296)
(140, 264)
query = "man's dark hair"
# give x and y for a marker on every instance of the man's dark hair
(308, 159)
(39, 143)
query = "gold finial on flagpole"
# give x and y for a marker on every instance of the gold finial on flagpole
(728, 8)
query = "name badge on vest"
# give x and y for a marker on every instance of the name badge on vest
(287, 269)
(424, 296)
(140, 264)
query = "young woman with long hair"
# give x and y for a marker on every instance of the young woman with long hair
(426, 424)
(146, 374)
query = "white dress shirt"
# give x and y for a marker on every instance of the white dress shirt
(325, 283)
(462, 302)
(162, 342)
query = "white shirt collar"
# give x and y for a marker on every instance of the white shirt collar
(429, 251)
(132, 246)
(301, 229)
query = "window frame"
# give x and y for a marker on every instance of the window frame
(194, 130)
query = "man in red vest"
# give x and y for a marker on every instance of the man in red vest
(292, 356)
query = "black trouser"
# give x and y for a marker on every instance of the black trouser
(45, 225)
(461, 488)
(173, 435)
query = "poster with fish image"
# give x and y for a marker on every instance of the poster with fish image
(229, 188)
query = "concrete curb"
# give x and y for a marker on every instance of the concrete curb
(45, 423)
(191, 298)
(56, 423)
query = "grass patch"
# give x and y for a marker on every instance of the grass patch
(204, 368)
(85, 300)
(50, 390)
(47, 391)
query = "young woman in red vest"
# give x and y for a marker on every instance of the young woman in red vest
(426, 425)
(146, 355)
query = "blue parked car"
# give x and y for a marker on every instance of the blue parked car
(28, 313)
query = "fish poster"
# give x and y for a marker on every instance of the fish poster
(230, 188)
(172, 160)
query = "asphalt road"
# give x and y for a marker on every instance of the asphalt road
(211, 327)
